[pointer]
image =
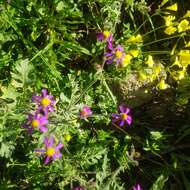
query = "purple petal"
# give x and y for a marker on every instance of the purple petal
(124, 109)
(122, 122)
(58, 155)
(39, 150)
(44, 92)
(36, 98)
(43, 129)
(51, 141)
(47, 160)
(120, 48)
(100, 36)
(129, 120)
(43, 120)
(46, 141)
(115, 115)
(59, 146)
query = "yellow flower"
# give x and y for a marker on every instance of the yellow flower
(162, 85)
(67, 137)
(169, 20)
(150, 61)
(126, 60)
(184, 57)
(187, 14)
(134, 52)
(172, 7)
(135, 39)
(170, 30)
(183, 26)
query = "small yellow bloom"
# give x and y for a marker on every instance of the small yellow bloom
(134, 52)
(187, 15)
(184, 57)
(172, 7)
(126, 60)
(170, 30)
(67, 137)
(135, 39)
(183, 26)
(162, 85)
(106, 34)
(150, 61)
(169, 20)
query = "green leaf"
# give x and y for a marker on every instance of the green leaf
(159, 183)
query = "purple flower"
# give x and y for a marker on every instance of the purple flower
(85, 112)
(45, 102)
(137, 187)
(51, 150)
(36, 121)
(123, 117)
(117, 54)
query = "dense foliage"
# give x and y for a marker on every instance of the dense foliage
(94, 94)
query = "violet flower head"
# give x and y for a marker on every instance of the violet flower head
(114, 54)
(137, 187)
(51, 150)
(119, 54)
(123, 117)
(45, 102)
(36, 121)
(85, 112)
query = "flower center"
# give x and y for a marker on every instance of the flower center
(124, 116)
(106, 34)
(35, 123)
(84, 113)
(118, 54)
(45, 102)
(50, 151)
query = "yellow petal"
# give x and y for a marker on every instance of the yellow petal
(169, 20)
(184, 57)
(187, 14)
(126, 60)
(162, 85)
(170, 30)
(135, 39)
(172, 7)
(183, 25)
(150, 61)
(134, 52)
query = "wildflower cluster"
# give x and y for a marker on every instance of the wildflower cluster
(172, 24)
(45, 104)
(116, 53)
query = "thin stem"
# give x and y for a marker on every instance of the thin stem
(163, 39)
